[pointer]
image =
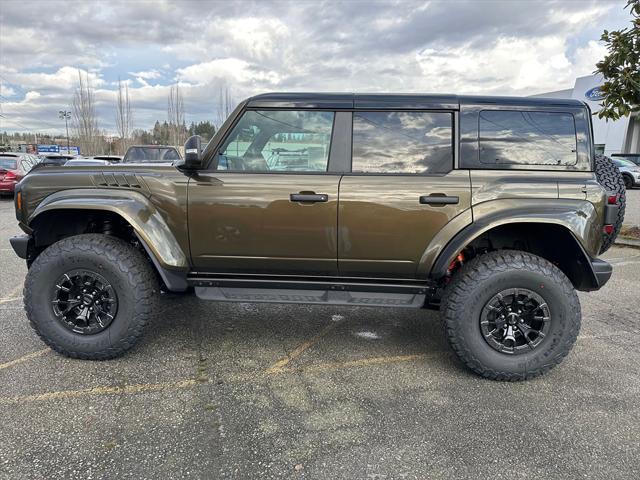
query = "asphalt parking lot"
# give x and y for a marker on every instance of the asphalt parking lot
(277, 391)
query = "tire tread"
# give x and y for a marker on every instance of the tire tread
(140, 276)
(483, 267)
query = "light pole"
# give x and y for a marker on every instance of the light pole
(66, 115)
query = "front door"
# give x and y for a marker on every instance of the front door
(271, 205)
(402, 191)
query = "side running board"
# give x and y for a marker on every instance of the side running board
(312, 292)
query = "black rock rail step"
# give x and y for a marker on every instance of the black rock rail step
(326, 292)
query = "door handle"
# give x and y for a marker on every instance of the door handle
(309, 197)
(439, 199)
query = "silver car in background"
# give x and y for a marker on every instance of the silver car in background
(630, 172)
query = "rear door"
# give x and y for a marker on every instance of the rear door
(402, 190)
(270, 205)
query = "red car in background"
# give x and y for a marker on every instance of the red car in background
(14, 166)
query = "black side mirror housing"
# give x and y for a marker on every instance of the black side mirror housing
(193, 153)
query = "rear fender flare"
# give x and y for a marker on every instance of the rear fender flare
(577, 216)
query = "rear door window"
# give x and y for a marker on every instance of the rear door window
(509, 137)
(402, 142)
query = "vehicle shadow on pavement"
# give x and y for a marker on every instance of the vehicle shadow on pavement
(250, 338)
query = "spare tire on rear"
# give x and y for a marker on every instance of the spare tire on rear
(611, 179)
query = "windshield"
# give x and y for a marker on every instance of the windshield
(8, 163)
(151, 154)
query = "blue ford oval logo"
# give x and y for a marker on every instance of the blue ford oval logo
(594, 94)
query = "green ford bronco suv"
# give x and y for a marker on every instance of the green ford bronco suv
(493, 210)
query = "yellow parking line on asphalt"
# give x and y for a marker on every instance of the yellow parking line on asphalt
(363, 362)
(7, 300)
(12, 296)
(28, 356)
(188, 383)
(283, 362)
(95, 391)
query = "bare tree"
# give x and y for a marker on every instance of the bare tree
(175, 113)
(85, 122)
(225, 104)
(124, 119)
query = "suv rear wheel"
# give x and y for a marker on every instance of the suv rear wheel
(511, 315)
(90, 296)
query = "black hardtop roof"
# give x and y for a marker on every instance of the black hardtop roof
(396, 100)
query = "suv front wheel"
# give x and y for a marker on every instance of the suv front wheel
(510, 315)
(90, 296)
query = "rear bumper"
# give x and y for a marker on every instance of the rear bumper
(7, 187)
(601, 272)
(611, 214)
(20, 245)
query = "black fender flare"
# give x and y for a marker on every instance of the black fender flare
(597, 271)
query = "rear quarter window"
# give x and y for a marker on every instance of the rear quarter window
(512, 137)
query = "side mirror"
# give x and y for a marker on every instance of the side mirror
(193, 153)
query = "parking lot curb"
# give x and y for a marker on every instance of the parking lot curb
(627, 242)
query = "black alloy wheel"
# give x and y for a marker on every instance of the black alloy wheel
(84, 301)
(515, 321)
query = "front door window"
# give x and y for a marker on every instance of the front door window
(278, 141)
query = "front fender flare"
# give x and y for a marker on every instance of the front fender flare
(135, 208)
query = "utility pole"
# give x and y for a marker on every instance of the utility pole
(66, 115)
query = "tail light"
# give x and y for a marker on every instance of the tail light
(608, 229)
(10, 176)
(613, 199)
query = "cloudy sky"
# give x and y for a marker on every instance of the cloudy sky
(493, 47)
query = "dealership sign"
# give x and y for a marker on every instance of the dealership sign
(594, 94)
(71, 151)
(48, 148)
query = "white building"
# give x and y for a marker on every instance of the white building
(619, 136)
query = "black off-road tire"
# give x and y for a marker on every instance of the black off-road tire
(125, 268)
(479, 281)
(611, 179)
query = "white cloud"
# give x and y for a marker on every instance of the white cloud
(65, 78)
(257, 38)
(231, 69)
(147, 75)
(491, 47)
(6, 91)
(587, 56)
(31, 95)
(510, 65)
